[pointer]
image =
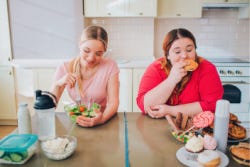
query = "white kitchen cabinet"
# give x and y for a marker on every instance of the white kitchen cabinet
(179, 9)
(125, 94)
(8, 114)
(225, 1)
(7, 88)
(137, 75)
(244, 12)
(129, 83)
(121, 8)
(103, 8)
(43, 78)
(5, 45)
(141, 8)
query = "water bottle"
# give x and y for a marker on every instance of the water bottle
(221, 124)
(45, 113)
(24, 119)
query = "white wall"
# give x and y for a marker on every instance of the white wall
(219, 33)
(45, 28)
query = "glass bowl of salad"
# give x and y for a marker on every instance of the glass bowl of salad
(73, 110)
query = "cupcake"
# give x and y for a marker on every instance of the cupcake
(195, 144)
(209, 142)
(209, 158)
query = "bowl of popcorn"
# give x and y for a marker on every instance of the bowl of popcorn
(60, 147)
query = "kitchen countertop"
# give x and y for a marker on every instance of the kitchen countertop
(53, 63)
(128, 139)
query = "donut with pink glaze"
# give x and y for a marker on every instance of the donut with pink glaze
(203, 119)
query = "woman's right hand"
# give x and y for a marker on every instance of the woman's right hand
(68, 79)
(177, 72)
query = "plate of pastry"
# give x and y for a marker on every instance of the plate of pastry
(237, 140)
(199, 159)
(241, 153)
(201, 151)
(236, 132)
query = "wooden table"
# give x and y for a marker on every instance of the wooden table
(149, 144)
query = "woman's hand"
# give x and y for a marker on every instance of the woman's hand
(177, 72)
(157, 111)
(90, 122)
(68, 79)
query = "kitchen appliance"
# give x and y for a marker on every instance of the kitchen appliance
(235, 76)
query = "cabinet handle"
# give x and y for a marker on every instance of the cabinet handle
(9, 59)
(178, 14)
(226, 0)
(10, 73)
(141, 13)
(109, 14)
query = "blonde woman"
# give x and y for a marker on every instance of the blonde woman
(96, 77)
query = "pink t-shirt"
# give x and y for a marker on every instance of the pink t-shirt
(94, 88)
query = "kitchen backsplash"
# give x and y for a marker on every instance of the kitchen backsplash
(129, 38)
(219, 33)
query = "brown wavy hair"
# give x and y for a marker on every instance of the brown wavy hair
(166, 65)
(90, 32)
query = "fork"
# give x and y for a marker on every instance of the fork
(90, 101)
(78, 97)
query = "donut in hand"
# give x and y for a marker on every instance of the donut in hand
(191, 65)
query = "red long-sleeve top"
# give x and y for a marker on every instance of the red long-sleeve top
(204, 86)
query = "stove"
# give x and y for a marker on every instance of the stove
(235, 76)
(228, 60)
(232, 67)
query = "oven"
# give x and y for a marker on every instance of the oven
(235, 77)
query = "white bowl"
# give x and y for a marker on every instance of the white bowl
(59, 148)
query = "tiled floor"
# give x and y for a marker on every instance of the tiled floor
(6, 129)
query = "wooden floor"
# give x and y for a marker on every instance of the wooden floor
(6, 129)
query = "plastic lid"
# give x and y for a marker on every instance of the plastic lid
(43, 100)
(23, 104)
(17, 142)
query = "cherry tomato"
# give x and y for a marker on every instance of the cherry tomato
(81, 108)
(71, 113)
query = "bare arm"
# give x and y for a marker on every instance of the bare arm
(58, 86)
(161, 93)
(113, 98)
(160, 111)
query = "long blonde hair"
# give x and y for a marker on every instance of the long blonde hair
(166, 64)
(90, 32)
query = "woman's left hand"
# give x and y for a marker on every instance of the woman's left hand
(90, 122)
(157, 111)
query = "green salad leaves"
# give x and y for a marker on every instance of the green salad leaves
(75, 111)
